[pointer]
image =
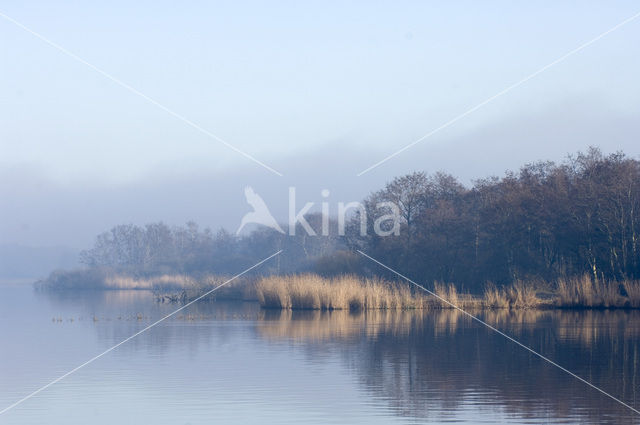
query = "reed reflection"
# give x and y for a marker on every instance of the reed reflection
(424, 363)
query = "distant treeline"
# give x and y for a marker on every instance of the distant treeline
(157, 248)
(543, 222)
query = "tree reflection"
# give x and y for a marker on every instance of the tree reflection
(430, 365)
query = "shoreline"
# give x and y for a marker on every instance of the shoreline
(353, 293)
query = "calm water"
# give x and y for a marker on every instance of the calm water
(233, 363)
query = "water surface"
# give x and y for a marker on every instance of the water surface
(230, 362)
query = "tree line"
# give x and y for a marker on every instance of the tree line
(158, 248)
(545, 221)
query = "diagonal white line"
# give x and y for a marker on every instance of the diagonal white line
(139, 93)
(91, 360)
(500, 332)
(506, 90)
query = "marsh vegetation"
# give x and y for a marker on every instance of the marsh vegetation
(314, 292)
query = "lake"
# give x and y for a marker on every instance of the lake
(231, 362)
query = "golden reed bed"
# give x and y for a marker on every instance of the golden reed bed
(313, 292)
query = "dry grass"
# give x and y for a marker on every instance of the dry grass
(103, 278)
(521, 295)
(632, 289)
(517, 296)
(447, 292)
(584, 292)
(180, 288)
(312, 292)
(494, 297)
(156, 282)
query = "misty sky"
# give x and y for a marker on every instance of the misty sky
(317, 90)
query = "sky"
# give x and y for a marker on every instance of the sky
(319, 91)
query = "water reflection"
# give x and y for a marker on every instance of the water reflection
(432, 364)
(317, 326)
(418, 366)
